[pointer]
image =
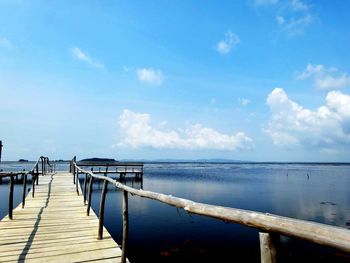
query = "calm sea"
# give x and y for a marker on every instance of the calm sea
(162, 233)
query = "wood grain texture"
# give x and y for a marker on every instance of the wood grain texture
(53, 227)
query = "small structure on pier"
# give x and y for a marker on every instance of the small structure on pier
(121, 169)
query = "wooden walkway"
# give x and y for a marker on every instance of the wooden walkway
(53, 227)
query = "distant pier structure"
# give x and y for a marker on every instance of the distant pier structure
(121, 169)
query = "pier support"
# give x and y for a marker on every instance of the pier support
(102, 210)
(268, 247)
(11, 197)
(89, 196)
(125, 225)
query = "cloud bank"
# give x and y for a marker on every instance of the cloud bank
(137, 131)
(292, 125)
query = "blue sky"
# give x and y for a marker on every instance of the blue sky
(260, 80)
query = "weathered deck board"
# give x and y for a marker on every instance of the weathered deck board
(53, 227)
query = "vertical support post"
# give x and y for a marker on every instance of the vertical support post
(42, 169)
(85, 186)
(268, 247)
(73, 168)
(11, 197)
(102, 210)
(85, 183)
(125, 225)
(42, 165)
(34, 175)
(24, 190)
(77, 181)
(89, 197)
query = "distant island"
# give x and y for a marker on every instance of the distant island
(23, 161)
(97, 160)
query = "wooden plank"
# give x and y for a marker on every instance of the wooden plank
(53, 227)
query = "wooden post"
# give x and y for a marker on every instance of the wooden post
(24, 190)
(33, 182)
(89, 197)
(11, 197)
(77, 181)
(73, 168)
(42, 165)
(102, 210)
(37, 168)
(268, 247)
(125, 225)
(85, 184)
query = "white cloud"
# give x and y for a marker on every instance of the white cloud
(77, 53)
(293, 16)
(4, 42)
(293, 125)
(150, 76)
(138, 132)
(243, 101)
(311, 70)
(298, 5)
(325, 78)
(295, 25)
(225, 46)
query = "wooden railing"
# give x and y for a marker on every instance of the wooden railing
(42, 166)
(271, 226)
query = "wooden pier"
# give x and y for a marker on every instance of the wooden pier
(54, 227)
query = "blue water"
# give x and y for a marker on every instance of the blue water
(161, 233)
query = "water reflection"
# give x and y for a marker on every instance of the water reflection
(161, 233)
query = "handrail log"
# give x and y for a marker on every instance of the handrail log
(322, 234)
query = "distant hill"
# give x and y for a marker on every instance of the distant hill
(23, 161)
